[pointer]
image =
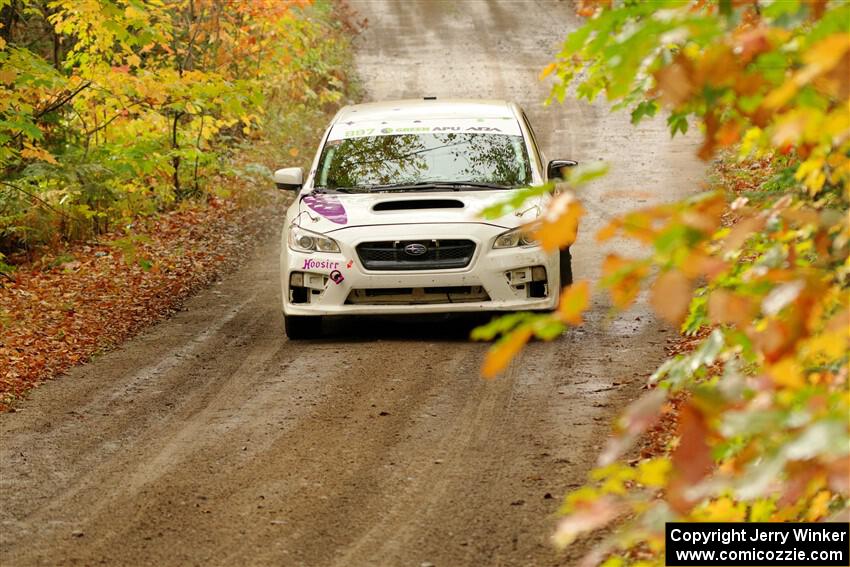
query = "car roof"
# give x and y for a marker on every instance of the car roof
(412, 109)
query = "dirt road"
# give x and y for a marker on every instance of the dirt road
(212, 440)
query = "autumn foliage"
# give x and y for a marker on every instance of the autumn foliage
(115, 109)
(761, 404)
(136, 142)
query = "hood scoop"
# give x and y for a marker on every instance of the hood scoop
(415, 204)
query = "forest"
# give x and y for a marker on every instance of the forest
(114, 110)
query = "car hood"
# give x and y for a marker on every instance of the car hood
(329, 212)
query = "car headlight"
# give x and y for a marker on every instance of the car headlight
(513, 238)
(302, 240)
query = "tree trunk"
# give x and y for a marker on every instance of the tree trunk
(175, 160)
(8, 16)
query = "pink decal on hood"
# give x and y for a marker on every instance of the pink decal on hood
(328, 206)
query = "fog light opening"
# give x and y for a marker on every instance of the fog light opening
(299, 295)
(538, 289)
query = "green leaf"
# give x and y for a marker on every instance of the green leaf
(643, 109)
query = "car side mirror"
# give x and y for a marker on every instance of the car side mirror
(555, 168)
(289, 178)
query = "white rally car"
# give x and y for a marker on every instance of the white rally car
(388, 220)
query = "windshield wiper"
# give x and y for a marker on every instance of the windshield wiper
(322, 189)
(415, 186)
(480, 185)
(435, 186)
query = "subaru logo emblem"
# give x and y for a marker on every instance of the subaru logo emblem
(415, 249)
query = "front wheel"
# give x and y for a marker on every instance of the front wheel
(566, 268)
(300, 328)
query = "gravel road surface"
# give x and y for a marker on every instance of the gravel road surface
(210, 439)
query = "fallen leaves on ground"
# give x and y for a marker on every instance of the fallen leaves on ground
(63, 308)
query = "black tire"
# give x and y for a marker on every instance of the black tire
(566, 268)
(299, 328)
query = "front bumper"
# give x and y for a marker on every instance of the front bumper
(495, 280)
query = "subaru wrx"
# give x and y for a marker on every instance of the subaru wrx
(388, 219)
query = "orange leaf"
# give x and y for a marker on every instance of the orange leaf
(609, 230)
(623, 279)
(293, 152)
(751, 43)
(501, 354)
(7, 76)
(639, 225)
(698, 264)
(559, 226)
(710, 143)
(741, 232)
(671, 295)
(547, 70)
(692, 458)
(574, 301)
(728, 134)
(775, 340)
(674, 81)
(586, 518)
(726, 307)
(31, 152)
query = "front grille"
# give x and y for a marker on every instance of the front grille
(418, 295)
(435, 254)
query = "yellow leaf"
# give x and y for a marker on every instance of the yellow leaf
(574, 301)
(134, 60)
(830, 345)
(654, 472)
(821, 58)
(559, 226)
(819, 506)
(134, 13)
(613, 561)
(826, 53)
(722, 510)
(501, 354)
(780, 96)
(293, 152)
(787, 372)
(811, 174)
(762, 510)
(547, 70)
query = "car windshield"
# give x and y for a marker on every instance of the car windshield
(413, 161)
